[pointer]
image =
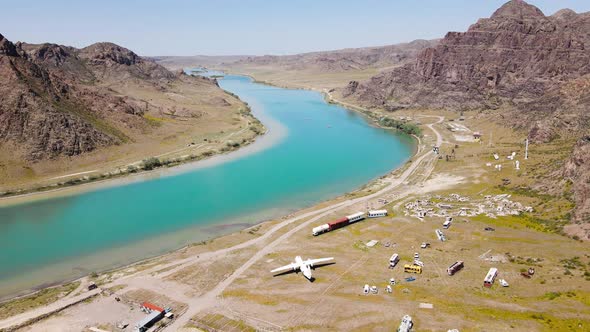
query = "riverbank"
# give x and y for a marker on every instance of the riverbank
(377, 118)
(165, 164)
(226, 279)
(129, 214)
(178, 259)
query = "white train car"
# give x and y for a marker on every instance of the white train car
(355, 217)
(377, 213)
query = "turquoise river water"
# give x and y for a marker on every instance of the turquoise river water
(313, 151)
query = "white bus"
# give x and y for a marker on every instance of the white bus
(448, 222)
(490, 277)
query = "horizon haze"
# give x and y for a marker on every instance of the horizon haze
(184, 28)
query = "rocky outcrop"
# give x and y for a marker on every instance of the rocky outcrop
(577, 170)
(6, 47)
(536, 67)
(52, 103)
(109, 60)
(38, 111)
(515, 56)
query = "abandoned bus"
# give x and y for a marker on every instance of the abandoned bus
(412, 268)
(393, 260)
(490, 277)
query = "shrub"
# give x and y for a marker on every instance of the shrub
(151, 163)
(406, 127)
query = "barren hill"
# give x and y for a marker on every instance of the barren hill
(60, 102)
(343, 60)
(318, 70)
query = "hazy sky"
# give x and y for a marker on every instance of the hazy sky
(216, 27)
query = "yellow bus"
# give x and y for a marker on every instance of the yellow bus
(412, 268)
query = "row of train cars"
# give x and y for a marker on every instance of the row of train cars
(347, 221)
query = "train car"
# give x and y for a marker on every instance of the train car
(377, 213)
(320, 229)
(355, 217)
(338, 223)
(440, 235)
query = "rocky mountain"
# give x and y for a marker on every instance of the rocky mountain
(55, 101)
(534, 66)
(515, 56)
(344, 60)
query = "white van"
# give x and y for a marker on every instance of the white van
(448, 222)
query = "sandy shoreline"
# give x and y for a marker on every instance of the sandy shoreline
(275, 133)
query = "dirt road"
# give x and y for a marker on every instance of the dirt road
(195, 305)
(209, 299)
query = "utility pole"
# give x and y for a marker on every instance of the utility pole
(526, 148)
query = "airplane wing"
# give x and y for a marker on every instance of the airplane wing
(285, 268)
(318, 261)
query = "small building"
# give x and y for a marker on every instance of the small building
(477, 136)
(149, 307)
(372, 243)
(148, 321)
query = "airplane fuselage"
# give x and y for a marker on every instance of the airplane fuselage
(303, 267)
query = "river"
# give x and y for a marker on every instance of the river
(313, 151)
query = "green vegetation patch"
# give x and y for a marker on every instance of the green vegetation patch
(151, 163)
(39, 299)
(153, 121)
(517, 222)
(404, 126)
(517, 318)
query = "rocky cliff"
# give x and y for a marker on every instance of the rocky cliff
(515, 56)
(52, 103)
(534, 66)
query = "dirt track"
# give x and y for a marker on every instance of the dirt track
(209, 299)
(148, 279)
